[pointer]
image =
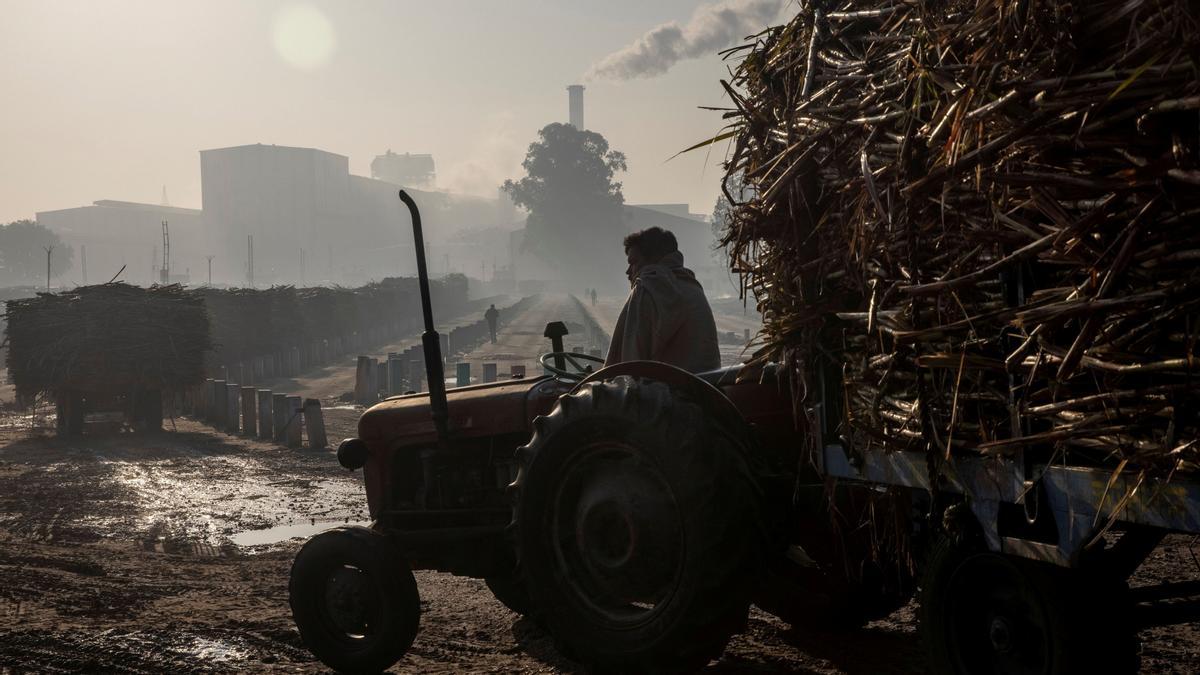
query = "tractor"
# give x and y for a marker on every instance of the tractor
(635, 512)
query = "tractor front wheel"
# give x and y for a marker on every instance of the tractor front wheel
(639, 527)
(354, 599)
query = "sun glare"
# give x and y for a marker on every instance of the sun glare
(303, 36)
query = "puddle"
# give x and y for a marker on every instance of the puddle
(279, 533)
(217, 651)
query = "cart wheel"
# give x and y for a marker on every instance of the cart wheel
(354, 600)
(983, 612)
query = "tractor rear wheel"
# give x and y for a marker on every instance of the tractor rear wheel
(639, 527)
(354, 599)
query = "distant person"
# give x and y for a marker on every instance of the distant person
(666, 317)
(593, 297)
(493, 317)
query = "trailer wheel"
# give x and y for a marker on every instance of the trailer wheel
(984, 612)
(354, 600)
(639, 529)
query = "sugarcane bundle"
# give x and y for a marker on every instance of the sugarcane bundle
(107, 338)
(982, 219)
(329, 311)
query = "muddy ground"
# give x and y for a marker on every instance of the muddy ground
(170, 552)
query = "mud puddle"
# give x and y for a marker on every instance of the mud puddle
(253, 539)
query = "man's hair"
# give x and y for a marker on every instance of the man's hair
(652, 242)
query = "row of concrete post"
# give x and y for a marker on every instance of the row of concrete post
(257, 413)
(378, 378)
(289, 361)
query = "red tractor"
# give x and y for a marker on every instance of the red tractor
(634, 512)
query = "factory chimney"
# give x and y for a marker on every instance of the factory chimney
(575, 97)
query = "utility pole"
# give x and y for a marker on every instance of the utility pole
(164, 273)
(49, 249)
(250, 260)
(210, 257)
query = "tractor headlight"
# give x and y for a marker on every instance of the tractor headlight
(352, 453)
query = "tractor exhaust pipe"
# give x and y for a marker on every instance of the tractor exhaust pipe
(430, 339)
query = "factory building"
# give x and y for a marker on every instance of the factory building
(109, 235)
(413, 171)
(313, 221)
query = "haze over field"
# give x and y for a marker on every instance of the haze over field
(113, 100)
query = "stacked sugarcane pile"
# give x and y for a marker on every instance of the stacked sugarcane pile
(242, 322)
(982, 218)
(331, 311)
(106, 338)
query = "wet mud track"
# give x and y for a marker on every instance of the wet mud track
(118, 554)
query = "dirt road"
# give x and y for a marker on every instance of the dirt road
(169, 552)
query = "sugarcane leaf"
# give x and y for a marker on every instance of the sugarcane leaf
(701, 144)
(1133, 78)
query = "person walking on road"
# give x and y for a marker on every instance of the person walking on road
(666, 317)
(593, 297)
(493, 317)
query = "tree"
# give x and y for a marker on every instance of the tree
(23, 245)
(576, 220)
(734, 186)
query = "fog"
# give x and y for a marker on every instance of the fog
(256, 125)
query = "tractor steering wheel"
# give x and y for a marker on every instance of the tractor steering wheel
(573, 358)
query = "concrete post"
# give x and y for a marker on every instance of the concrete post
(463, 374)
(207, 400)
(279, 416)
(314, 422)
(249, 411)
(372, 381)
(220, 405)
(489, 372)
(204, 402)
(292, 430)
(266, 429)
(233, 409)
(396, 374)
(362, 380)
(416, 375)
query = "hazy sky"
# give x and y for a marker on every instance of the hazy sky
(112, 99)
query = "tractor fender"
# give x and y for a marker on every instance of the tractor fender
(712, 400)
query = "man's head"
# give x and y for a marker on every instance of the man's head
(493, 306)
(646, 248)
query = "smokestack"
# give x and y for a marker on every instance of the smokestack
(575, 98)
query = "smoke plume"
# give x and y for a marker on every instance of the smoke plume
(711, 28)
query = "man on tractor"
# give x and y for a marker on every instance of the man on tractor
(666, 317)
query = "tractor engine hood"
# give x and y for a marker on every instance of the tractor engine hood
(479, 410)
